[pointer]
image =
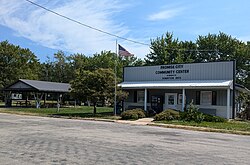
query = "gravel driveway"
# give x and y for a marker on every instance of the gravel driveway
(37, 140)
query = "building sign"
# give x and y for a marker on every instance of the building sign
(178, 72)
(172, 72)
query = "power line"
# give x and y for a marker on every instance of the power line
(110, 34)
(88, 26)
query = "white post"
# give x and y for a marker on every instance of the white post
(183, 100)
(145, 99)
(228, 103)
(58, 105)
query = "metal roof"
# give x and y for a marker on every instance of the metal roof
(190, 84)
(42, 86)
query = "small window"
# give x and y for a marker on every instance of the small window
(171, 100)
(180, 99)
(140, 96)
(206, 97)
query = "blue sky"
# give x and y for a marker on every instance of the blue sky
(44, 33)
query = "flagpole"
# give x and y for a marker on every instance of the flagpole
(115, 76)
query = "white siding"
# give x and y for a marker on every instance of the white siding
(196, 71)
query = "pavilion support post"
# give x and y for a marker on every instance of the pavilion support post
(123, 108)
(183, 100)
(37, 100)
(58, 102)
(36, 97)
(44, 99)
(8, 99)
(145, 99)
(26, 99)
(5, 98)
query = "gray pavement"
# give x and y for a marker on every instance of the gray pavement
(38, 140)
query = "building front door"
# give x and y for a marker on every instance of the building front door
(157, 103)
(170, 100)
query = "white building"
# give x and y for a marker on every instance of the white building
(211, 86)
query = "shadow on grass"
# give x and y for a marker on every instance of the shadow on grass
(84, 115)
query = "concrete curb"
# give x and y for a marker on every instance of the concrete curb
(79, 118)
(203, 129)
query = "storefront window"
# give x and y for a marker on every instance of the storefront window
(171, 100)
(140, 96)
(180, 99)
(206, 97)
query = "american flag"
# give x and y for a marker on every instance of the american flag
(123, 51)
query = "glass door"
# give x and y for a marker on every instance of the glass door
(157, 103)
(170, 100)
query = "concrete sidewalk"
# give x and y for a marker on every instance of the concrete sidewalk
(143, 121)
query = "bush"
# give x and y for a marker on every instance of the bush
(133, 114)
(192, 114)
(168, 114)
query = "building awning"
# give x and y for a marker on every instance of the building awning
(190, 84)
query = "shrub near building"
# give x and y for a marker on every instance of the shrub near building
(133, 114)
(192, 114)
(168, 114)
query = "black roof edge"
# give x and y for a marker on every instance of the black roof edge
(4, 89)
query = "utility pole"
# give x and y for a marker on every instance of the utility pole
(115, 76)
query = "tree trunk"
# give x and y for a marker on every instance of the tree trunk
(94, 112)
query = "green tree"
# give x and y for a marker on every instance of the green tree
(62, 72)
(16, 63)
(47, 70)
(78, 61)
(223, 47)
(105, 59)
(168, 50)
(108, 60)
(188, 52)
(164, 50)
(94, 86)
(130, 61)
(62, 68)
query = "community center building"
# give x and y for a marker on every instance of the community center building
(210, 86)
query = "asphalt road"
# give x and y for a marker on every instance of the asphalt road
(37, 140)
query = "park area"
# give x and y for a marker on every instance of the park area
(67, 112)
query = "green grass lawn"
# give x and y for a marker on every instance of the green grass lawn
(230, 125)
(78, 112)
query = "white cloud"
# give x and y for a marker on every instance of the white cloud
(52, 31)
(164, 14)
